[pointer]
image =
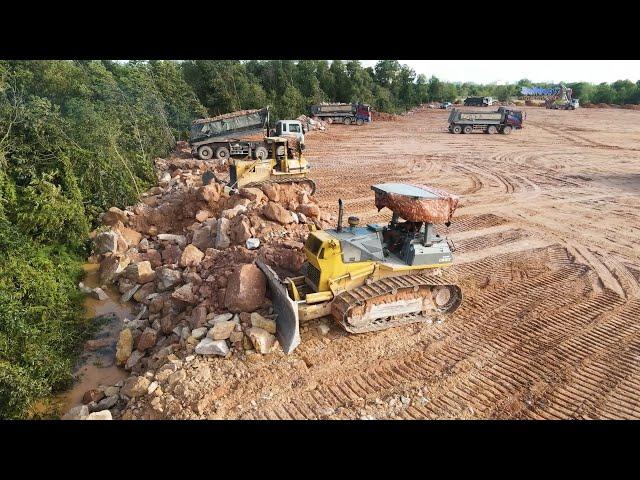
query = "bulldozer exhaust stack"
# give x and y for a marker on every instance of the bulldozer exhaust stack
(340, 212)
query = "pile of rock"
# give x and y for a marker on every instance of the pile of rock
(313, 123)
(185, 255)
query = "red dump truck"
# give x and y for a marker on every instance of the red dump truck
(346, 113)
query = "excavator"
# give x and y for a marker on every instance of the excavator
(375, 277)
(281, 162)
(560, 98)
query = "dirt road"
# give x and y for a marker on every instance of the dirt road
(548, 253)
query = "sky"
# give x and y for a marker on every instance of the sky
(510, 71)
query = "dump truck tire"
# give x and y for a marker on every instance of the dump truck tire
(359, 122)
(260, 153)
(491, 129)
(507, 129)
(347, 121)
(467, 129)
(456, 129)
(205, 152)
(222, 153)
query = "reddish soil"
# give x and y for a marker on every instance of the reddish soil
(548, 256)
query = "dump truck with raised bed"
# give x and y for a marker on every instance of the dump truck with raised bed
(375, 277)
(284, 163)
(503, 120)
(346, 113)
(221, 137)
(478, 101)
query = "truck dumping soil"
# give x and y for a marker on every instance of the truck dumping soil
(547, 232)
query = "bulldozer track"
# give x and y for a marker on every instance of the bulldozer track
(347, 301)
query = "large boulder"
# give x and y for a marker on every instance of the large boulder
(114, 215)
(191, 256)
(147, 339)
(171, 254)
(222, 233)
(77, 413)
(167, 278)
(132, 361)
(135, 387)
(111, 266)
(259, 321)
(241, 230)
(143, 292)
(198, 317)
(93, 395)
(277, 213)
(253, 194)
(262, 340)
(210, 193)
(106, 242)
(101, 415)
(124, 346)
(271, 191)
(131, 236)
(202, 238)
(153, 257)
(140, 272)
(212, 347)
(202, 215)
(233, 212)
(179, 240)
(246, 289)
(185, 294)
(309, 209)
(221, 330)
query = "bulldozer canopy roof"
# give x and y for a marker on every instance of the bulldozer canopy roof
(416, 203)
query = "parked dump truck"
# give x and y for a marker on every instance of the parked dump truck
(504, 120)
(478, 101)
(221, 137)
(346, 113)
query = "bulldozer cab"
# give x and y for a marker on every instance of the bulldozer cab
(286, 154)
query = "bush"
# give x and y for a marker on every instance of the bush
(40, 320)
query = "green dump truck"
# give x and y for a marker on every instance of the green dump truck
(504, 120)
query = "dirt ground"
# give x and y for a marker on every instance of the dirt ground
(548, 254)
(547, 240)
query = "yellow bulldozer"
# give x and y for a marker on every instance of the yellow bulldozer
(280, 161)
(374, 277)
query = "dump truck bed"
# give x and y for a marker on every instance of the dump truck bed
(229, 125)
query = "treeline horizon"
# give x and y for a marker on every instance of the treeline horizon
(80, 136)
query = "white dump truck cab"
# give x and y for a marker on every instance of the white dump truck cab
(290, 128)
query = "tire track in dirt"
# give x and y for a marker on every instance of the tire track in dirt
(549, 325)
(379, 380)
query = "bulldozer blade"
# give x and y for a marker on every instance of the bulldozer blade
(288, 320)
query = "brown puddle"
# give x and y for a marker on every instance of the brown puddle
(97, 367)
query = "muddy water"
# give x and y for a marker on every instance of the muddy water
(97, 366)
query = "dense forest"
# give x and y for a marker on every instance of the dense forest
(77, 137)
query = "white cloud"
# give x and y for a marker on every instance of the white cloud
(510, 71)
